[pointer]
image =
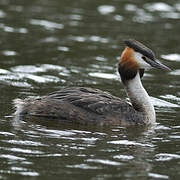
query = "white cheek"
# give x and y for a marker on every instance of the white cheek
(140, 61)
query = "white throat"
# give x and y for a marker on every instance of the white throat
(140, 98)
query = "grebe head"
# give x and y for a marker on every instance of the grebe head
(136, 58)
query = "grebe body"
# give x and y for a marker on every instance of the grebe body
(92, 106)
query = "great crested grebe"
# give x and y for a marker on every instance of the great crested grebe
(92, 106)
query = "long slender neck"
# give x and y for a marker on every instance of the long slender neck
(140, 98)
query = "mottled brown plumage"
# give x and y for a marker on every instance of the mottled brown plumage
(84, 106)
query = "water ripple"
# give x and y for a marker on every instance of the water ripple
(25, 151)
(158, 176)
(175, 137)
(172, 57)
(103, 75)
(80, 45)
(56, 133)
(162, 103)
(170, 15)
(142, 16)
(89, 39)
(12, 157)
(171, 97)
(106, 9)
(25, 143)
(6, 133)
(130, 143)
(62, 48)
(27, 69)
(3, 71)
(175, 72)
(13, 30)
(130, 7)
(100, 58)
(76, 17)
(83, 166)
(105, 162)
(118, 17)
(123, 157)
(9, 53)
(22, 72)
(158, 6)
(166, 157)
(37, 69)
(28, 173)
(49, 25)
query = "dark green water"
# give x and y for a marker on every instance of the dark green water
(46, 45)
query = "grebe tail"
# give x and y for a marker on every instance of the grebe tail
(92, 106)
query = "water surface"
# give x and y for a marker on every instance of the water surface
(47, 45)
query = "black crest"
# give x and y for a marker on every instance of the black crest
(139, 47)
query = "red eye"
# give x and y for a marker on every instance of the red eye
(143, 57)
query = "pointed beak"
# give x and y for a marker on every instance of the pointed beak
(158, 65)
